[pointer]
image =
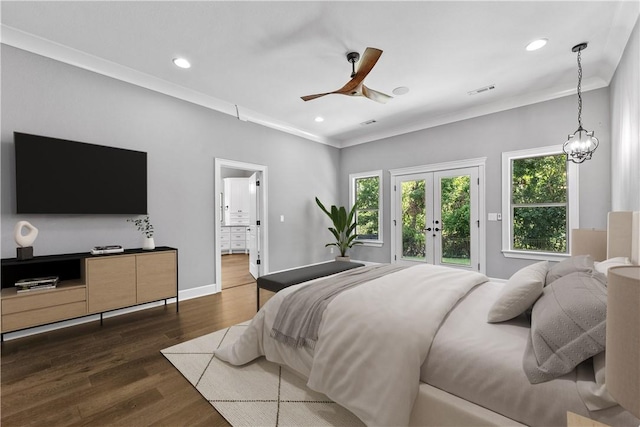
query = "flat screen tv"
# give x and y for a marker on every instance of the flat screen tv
(56, 176)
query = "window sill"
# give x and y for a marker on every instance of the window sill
(372, 243)
(540, 256)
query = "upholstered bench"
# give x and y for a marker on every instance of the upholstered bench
(278, 281)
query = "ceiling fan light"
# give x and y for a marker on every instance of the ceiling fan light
(319, 119)
(536, 44)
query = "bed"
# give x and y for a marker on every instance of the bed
(414, 346)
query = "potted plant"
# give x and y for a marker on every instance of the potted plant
(344, 228)
(145, 226)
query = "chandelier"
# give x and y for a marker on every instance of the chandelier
(580, 145)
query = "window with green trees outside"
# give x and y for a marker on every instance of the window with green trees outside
(539, 204)
(366, 194)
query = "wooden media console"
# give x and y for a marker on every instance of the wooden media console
(89, 284)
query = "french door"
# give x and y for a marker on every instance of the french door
(437, 218)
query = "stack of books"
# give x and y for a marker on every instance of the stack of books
(37, 283)
(103, 250)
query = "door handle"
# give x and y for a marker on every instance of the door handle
(427, 229)
(437, 229)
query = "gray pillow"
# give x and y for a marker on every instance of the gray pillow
(570, 265)
(567, 326)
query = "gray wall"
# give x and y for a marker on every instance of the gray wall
(625, 128)
(46, 97)
(43, 96)
(537, 125)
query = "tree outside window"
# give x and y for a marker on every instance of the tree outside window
(366, 194)
(541, 202)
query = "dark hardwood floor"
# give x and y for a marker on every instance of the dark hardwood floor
(115, 374)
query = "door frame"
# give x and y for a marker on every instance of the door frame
(218, 217)
(438, 167)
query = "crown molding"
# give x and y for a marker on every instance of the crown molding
(31, 43)
(482, 110)
(40, 46)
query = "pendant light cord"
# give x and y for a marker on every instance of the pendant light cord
(579, 90)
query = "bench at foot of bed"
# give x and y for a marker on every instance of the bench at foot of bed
(278, 281)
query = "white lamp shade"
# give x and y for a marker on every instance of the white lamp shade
(623, 337)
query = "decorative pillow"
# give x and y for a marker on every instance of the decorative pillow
(567, 326)
(519, 293)
(604, 266)
(570, 265)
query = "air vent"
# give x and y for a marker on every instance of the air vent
(482, 89)
(368, 122)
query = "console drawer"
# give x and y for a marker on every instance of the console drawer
(46, 298)
(25, 319)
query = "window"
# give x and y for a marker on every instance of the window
(540, 203)
(366, 193)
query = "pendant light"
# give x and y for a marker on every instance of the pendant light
(580, 145)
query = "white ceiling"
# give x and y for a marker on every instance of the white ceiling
(263, 56)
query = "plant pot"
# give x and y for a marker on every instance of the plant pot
(148, 243)
(345, 258)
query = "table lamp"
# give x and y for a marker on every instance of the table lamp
(623, 337)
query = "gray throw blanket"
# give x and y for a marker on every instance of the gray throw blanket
(298, 318)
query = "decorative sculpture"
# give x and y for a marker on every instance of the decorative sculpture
(24, 241)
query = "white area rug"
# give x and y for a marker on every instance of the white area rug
(259, 393)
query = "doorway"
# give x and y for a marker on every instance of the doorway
(240, 223)
(436, 216)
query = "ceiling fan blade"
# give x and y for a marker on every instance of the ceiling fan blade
(318, 95)
(368, 60)
(374, 95)
(354, 87)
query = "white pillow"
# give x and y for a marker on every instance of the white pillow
(604, 266)
(519, 293)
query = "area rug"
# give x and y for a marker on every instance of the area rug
(259, 393)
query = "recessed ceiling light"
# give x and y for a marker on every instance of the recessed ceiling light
(319, 119)
(401, 90)
(181, 62)
(537, 44)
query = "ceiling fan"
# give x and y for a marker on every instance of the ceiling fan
(355, 87)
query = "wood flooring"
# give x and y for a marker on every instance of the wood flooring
(235, 271)
(115, 375)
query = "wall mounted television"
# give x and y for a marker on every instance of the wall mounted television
(57, 176)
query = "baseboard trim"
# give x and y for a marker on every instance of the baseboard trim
(184, 295)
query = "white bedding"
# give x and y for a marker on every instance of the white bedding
(376, 379)
(421, 314)
(482, 363)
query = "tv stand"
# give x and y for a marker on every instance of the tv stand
(89, 284)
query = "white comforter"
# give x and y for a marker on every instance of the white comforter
(372, 340)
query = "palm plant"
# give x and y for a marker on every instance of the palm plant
(343, 227)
